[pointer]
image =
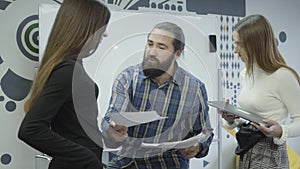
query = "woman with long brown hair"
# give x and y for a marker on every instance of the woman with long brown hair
(269, 88)
(52, 123)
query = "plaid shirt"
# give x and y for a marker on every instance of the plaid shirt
(183, 99)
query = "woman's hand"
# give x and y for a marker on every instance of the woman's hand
(270, 129)
(229, 117)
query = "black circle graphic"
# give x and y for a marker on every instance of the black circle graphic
(10, 106)
(282, 36)
(5, 159)
(27, 37)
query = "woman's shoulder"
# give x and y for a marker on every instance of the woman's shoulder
(283, 73)
(68, 65)
(285, 76)
(64, 70)
(67, 62)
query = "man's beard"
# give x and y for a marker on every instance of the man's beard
(153, 70)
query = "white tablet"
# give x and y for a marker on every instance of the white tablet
(236, 111)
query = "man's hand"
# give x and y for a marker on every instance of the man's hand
(191, 151)
(117, 132)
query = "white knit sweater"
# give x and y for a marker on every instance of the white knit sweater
(273, 96)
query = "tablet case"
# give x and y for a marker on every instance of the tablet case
(236, 111)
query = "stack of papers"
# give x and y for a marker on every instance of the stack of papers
(179, 144)
(129, 119)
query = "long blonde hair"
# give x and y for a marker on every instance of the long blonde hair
(75, 22)
(257, 37)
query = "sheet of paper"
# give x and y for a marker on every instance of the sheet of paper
(179, 144)
(135, 118)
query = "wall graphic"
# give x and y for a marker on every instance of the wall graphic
(18, 56)
(13, 85)
(223, 7)
(230, 64)
(4, 4)
(27, 37)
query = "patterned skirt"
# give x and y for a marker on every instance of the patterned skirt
(265, 155)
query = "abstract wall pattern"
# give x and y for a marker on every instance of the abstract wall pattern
(16, 92)
(13, 85)
(4, 4)
(224, 7)
(229, 64)
(18, 57)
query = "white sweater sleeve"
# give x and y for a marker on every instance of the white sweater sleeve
(289, 93)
